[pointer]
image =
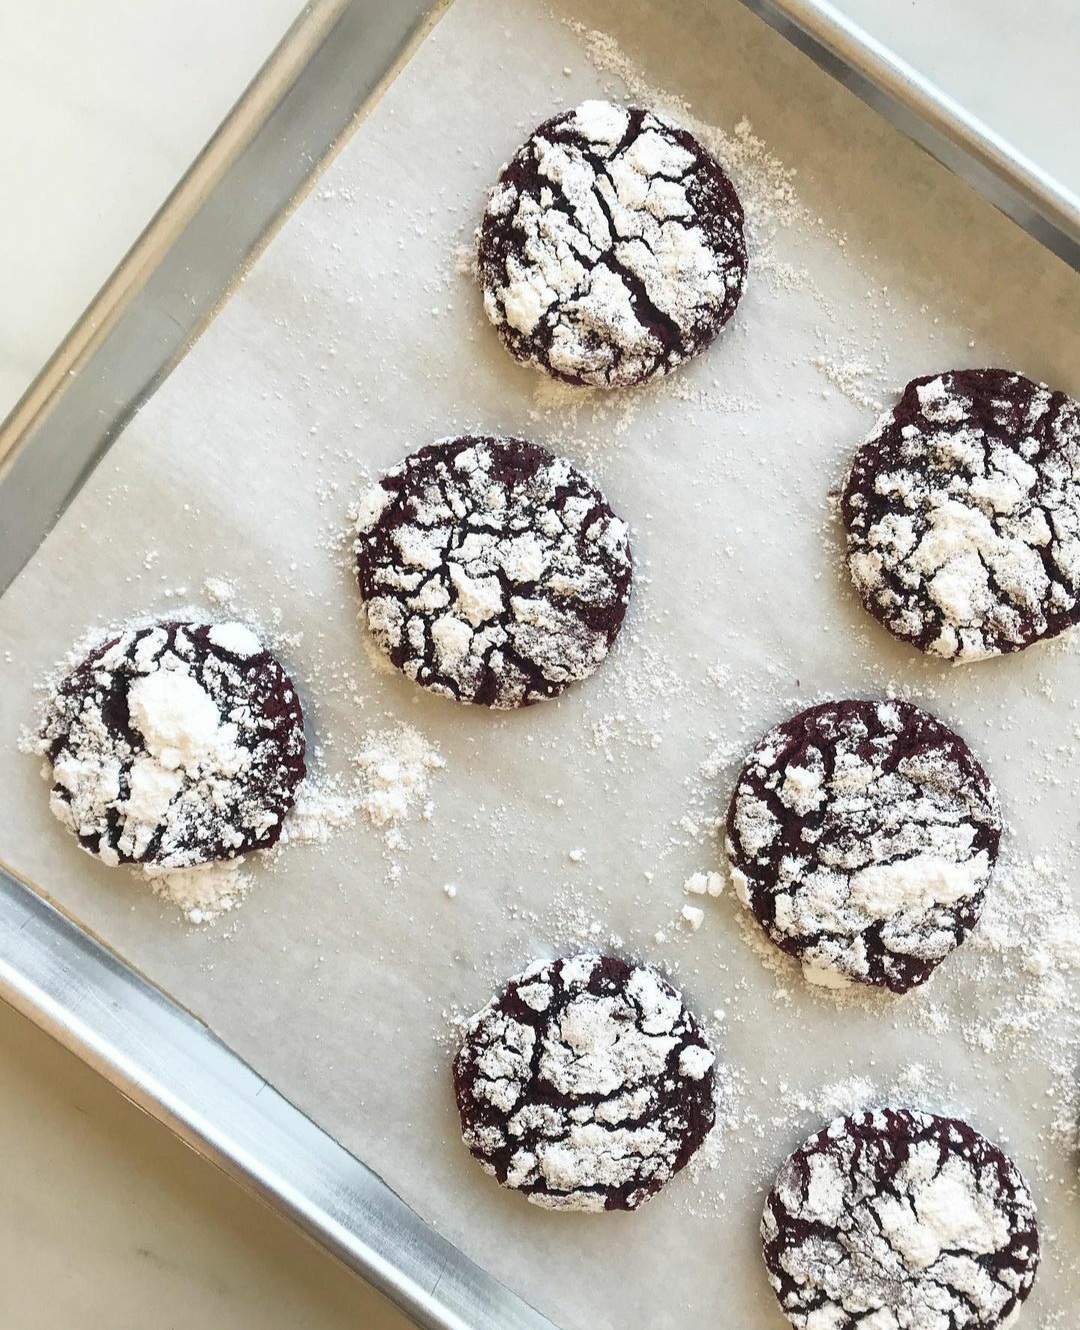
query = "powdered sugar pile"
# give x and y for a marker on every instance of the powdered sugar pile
(388, 786)
(395, 768)
(204, 893)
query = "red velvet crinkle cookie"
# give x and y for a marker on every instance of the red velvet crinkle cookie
(586, 1084)
(862, 835)
(491, 571)
(962, 511)
(174, 746)
(898, 1220)
(611, 249)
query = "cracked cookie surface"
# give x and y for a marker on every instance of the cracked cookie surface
(586, 1084)
(962, 511)
(175, 745)
(611, 249)
(898, 1220)
(491, 571)
(862, 836)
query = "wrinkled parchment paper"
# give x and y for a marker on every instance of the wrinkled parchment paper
(356, 338)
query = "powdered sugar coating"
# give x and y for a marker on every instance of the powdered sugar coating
(963, 514)
(612, 247)
(862, 835)
(899, 1220)
(586, 1085)
(174, 746)
(492, 571)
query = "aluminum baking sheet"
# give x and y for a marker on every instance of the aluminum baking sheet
(358, 336)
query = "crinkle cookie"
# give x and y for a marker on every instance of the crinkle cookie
(612, 248)
(862, 835)
(586, 1084)
(897, 1220)
(962, 511)
(174, 746)
(491, 571)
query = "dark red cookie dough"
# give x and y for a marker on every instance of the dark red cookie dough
(175, 745)
(962, 511)
(491, 571)
(898, 1220)
(612, 247)
(862, 835)
(586, 1084)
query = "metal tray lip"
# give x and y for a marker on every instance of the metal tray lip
(1032, 197)
(451, 1293)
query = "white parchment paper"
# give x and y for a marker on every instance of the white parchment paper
(358, 337)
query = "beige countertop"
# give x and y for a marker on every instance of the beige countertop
(114, 1224)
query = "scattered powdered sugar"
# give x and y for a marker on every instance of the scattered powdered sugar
(1027, 970)
(1030, 914)
(913, 1084)
(395, 767)
(388, 786)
